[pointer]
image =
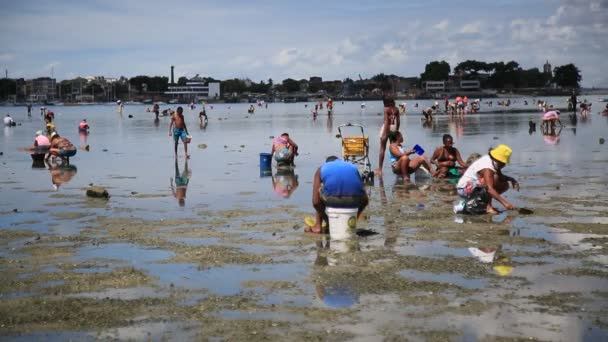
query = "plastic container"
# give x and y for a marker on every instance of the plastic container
(265, 161)
(342, 222)
(418, 149)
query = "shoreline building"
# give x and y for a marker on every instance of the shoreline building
(40, 90)
(195, 89)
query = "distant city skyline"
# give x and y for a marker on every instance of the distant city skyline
(292, 39)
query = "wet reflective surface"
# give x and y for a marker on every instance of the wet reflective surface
(214, 247)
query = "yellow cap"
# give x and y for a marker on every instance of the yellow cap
(502, 153)
(503, 270)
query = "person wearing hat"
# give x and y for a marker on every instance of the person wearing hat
(484, 181)
(60, 147)
(41, 144)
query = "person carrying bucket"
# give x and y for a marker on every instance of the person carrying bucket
(336, 184)
(284, 149)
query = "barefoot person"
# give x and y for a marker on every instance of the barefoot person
(178, 129)
(484, 181)
(391, 124)
(61, 147)
(400, 160)
(446, 157)
(284, 149)
(336, 184)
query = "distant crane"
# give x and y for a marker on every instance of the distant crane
(360, 78)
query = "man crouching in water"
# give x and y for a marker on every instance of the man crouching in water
(483, 181)
(336, 184)
(180, 131)
(60, 147)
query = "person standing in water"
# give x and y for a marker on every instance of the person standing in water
(178, 129)
(391, 124)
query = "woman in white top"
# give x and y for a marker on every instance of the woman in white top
(486, 173)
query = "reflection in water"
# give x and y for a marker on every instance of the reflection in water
(284, 182)
(180, 186)
(550, 136)
(330, 124)
(61, 173)
(334, 289)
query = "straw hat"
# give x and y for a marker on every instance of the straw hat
(502, 153)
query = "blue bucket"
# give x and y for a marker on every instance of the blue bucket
(265, 161)
(418, 149)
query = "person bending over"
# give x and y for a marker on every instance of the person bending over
(284, 149)
(483, 181)
(336, 184)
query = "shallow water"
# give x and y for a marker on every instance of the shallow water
(239, 239)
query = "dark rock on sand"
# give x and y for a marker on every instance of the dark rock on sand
(97, 192)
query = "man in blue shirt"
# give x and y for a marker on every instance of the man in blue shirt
(336, 184)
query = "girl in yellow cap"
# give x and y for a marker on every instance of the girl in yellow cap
(484, 181)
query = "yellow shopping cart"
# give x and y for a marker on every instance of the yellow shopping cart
(355, 149)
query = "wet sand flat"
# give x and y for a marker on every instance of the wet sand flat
(233, 262)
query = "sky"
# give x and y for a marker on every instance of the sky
(333, 39)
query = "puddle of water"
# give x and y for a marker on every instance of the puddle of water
(123, 294)
(449, 278)
(271, 316)
(429, 249)
(224, 281)
(131, 253)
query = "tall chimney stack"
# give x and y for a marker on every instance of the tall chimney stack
(172, 81)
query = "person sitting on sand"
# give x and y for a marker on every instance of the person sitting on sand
(446, 157)
(336, 184)
(484, 181)
(400, 160)
(60, 147)
(284, 149)
(178, 129)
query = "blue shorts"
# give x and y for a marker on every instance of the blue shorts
(67, 153)
(179, 133)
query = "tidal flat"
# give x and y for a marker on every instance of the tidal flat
(234, 263)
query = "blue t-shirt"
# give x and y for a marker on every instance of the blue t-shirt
(341, 178)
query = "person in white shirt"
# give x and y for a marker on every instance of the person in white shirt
(484, 181)
(8, 121)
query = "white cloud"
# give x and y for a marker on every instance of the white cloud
(442, 25)
(6, 57)
(473, 27)
(391, 53)
(287, 56)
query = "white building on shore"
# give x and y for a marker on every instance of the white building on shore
(195, 90)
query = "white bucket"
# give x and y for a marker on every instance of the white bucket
(342, 222)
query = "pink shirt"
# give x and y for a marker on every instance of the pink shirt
(42, 140)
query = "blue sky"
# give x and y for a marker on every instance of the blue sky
(298, 39)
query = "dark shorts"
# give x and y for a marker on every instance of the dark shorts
(67, 153)
(179, 133)
(343, 201)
